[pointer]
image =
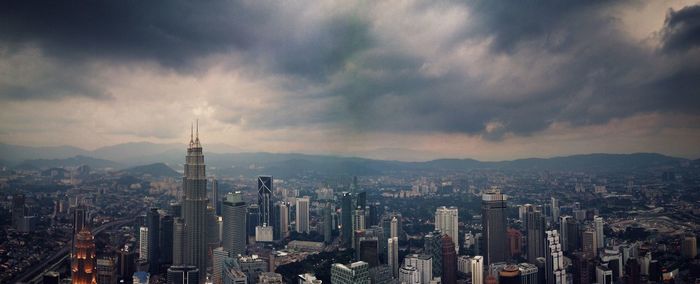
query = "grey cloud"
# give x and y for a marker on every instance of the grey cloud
(682, 29)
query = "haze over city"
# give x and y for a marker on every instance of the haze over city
(476, 79)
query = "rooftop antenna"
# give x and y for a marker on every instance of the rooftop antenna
(191, 133)
(197, 129)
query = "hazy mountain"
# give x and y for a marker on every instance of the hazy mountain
(156, 170)
(68, 162)
(15, 153)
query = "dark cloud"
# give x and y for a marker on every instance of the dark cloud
(682, 29)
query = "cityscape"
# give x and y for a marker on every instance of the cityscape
(388, 142)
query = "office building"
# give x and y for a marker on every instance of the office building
(515, 239)
(143, 243)
(689, 247)
(233, 211)
(555, 209)
(253, 219)
(528, 273)
(381, 274)
(446, 221)
(600, 236)
(564, 232)
(153, 221)
(409, 275)
(106, 270)
(184, 274)
(573, 235)
(432, 245)
(127, 264)
(464, 264)
(423, 263)
(302, 210)
(83, 261)
(603, 274)
(141, 277)
(194, 206)
(269, 278)
(346, 219)
(393, 255)
(589, 244)
(218, 256)
(493, 216)
(166, 239)
(361, 200)
(51, 277)
(535, 235)
(449, 261)
(19, 210)
(178, 241)
(265, 200)
(477, 269)
(215, 197)
(554, 259)
(308, 278)
(281, 226)
(355, 273)
(369, 250)
(327, 224)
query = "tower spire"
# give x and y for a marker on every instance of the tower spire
(196, 135)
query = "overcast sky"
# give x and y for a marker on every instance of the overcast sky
(489, 80)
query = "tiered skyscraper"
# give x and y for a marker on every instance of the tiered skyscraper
(194, 206)
(83, 264)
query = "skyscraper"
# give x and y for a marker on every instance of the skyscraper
(563, 220)
(194, 206)
(600, 236)
(394, 227)
(79, 216)
(493, 206)
(355, 273)
(346, 221)
(233, 210)
(302, 210)
(166, 239)
(393, 255)
(555, 209)
(535, 235)
(281, 226)
(184, 274)
(19, 210)
(589, 243)
(478, 269)
(143, 243)
(446, 221)
(83, 262)
(178, 241)
(327, 223)
(554, 259)
(153, 221)
(432, 245)
(265, 202)
(449, 261)
(423, 263)
(253, 219)
(216, 201)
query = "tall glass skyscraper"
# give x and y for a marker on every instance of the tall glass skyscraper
(234, 227)
(194, 206)
(493, 207)
(265, 202)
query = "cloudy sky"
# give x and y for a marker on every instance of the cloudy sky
(489, 80)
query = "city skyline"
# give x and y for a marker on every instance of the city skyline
(356, 79)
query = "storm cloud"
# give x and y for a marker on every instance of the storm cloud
(486, 69)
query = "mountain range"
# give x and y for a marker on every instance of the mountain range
(171, 156)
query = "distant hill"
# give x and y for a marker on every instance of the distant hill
(14, 153)
(68, 162)
(156, 170)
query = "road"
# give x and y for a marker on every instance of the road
(61, 255)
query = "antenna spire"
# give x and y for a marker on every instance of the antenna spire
(198, 129)
(191, 133)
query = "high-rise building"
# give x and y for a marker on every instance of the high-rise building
(215, 196)
(327, 224)
(346, 219)
(393, 255)
(449, 260)
(409, 275)
(368, 249)
(194, 206)
(358, 220)
(493, 216)
(218, 256)
(446, 221)
(265, 201)
(269, 278)
(555, 209)
(632, 271)
(166, 239)
(213, 233)
(514, 242)
(573, 234)
(252, 219)
(281, 226)
(79, 219)
(603, 274)
(178, 241)
(361, 200)
(477, 269)
(83, 262)
(106, 271)
(600, 236)
(689, 247)
(563, 232)
(554, 259)
(143, 243)
(432, 245)
(374, 213)
(127, 262)
(589, 243)
(535, 235)
(582, 266)
(19, 211)
(528, 273)
(509, 275)
(423, 263)
(233, 211)
(184, 274)
(394, 227)
(355, 273)
(302, 210)
(153, 221)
